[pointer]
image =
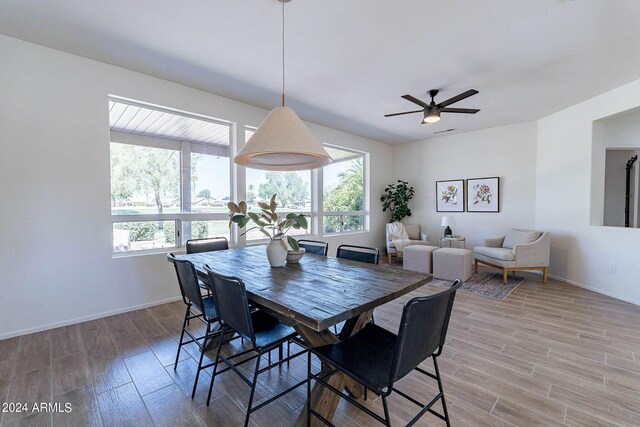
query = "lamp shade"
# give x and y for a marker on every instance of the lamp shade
(283, 143)
(448, 221)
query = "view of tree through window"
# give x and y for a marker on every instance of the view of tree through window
(343, 192)
(144, 179)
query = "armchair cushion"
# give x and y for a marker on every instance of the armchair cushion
(413, 230)
(519, 237)
(494, 243)
(502, 254)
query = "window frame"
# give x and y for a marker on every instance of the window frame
(185, 148)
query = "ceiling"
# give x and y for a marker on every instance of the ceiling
(348, 62)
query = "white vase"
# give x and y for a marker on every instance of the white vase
(277, 253)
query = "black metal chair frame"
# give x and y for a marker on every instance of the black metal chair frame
(228, 360)
(316, 243)
(424, 408)
(372, 251)
(190, 314)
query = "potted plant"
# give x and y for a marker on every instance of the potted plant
(272, 226)
(395, 199)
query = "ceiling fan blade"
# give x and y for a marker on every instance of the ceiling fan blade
(457, 98)
(406, 112)
(459, 110)
(415, 100)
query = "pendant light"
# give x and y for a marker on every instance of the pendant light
(282, 142)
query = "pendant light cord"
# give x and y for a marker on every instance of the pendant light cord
(283, 54)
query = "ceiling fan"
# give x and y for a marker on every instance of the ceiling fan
(432, 110)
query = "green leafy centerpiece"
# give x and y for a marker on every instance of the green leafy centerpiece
(272, 226)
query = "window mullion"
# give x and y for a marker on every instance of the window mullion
(185, 185)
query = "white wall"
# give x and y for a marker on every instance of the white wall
(507, 151)
(582, 253)
(56, 263)
(622, 130)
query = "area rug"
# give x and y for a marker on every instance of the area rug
(485, 284)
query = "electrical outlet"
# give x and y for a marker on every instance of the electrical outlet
(612, 268)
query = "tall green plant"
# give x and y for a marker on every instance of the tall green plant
(267, 221)
(395, 199)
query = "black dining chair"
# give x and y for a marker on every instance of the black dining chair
(198, 307)
(265, 333)
(359, 253)
(314, 246)
(208, 244)
(378, 358)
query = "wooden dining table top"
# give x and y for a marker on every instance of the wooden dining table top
(318, 292)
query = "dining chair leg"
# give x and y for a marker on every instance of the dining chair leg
(387, 419)
(309, 389)
(184, 325)
(215, 364)
(444, 403)
(253, 387)
(202, 351)
(280, 353)
(288, 352)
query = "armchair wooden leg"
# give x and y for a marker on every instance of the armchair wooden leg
(475, 264)
(389, 258)
(544, 275)
(505, 274)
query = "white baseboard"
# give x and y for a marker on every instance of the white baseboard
(81, 319)
(591, 288)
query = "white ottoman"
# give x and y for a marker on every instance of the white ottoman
(418, 258)
(452, 263)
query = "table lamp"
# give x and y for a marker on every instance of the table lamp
(446, 222)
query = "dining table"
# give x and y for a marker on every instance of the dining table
(312, 296)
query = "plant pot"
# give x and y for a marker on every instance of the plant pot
(294, 256)
(277, 253)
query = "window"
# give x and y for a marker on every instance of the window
(293, 190)
(170, 177)
(344, 195)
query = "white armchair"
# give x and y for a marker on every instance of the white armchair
(416, 237)
(518, 250)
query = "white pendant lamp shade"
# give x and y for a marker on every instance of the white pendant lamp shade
(283, 143)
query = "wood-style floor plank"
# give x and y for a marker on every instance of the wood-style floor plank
(122, 406)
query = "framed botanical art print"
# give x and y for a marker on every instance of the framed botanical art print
(483, 195)
(450, 196)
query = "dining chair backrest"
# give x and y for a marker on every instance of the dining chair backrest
(358, 253)
(423, 330)
(209, 244)
(188, 281)
(314, 246)
(230, 297)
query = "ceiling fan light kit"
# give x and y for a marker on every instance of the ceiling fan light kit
(431, 111)
(282, 142)
(431, 115)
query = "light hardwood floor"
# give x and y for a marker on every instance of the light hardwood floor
(547, 355)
